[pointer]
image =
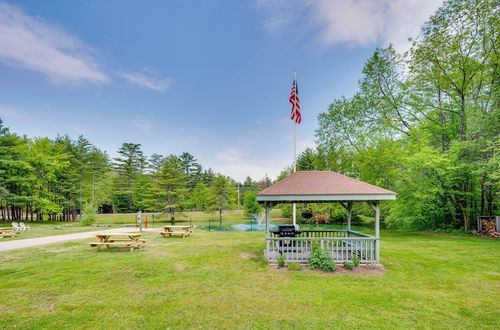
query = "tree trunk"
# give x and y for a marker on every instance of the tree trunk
(220, 218)
(130, 196)
(462, 117)
(81, 201)
(482, 197)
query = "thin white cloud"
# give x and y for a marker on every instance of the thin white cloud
(9, 113)
(143, 80)
(35, 44)
(234, 162)
(352, 22)
(142, 123)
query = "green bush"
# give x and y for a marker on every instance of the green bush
(355, 261)
(294, 266)
(281, 261)
(348, 265)
(319, 259)
(250, 204)
(89, 214)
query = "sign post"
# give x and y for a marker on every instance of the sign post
(139, 219)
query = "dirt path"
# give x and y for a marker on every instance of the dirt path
(30, 242)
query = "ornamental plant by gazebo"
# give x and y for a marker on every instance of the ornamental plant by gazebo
(324, 187)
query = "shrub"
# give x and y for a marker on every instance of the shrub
(250, 204)
(328, 265)
(89, 214)
(322, 218)
(319, 259)
(348, 265)
(294, 266)
(355, 261)
(281, 261)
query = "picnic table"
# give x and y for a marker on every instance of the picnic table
(131, 240)
(184, 231)
(8, 232)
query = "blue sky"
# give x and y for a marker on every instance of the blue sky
(208, 77)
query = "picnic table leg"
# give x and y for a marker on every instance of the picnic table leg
(134, 243)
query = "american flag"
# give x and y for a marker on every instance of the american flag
(294, 100)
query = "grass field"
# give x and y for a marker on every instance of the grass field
(198, 218)
(47, 229)
(220, 280)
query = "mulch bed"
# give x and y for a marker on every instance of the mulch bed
(361, 270)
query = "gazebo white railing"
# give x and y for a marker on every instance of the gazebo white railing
(339, 248)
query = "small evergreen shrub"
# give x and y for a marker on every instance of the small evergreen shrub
(294, 266)
(355, 261)
(328, 265)
(319, 259)
(89, 214)
(348, 265)
(281, 261)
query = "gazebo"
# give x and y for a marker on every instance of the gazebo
(324, 187)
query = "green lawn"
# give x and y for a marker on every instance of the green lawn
(203, 281)
(47, 229)
(200, 219)
(197, 218)
(185, 216)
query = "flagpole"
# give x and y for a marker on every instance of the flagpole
(295, 148)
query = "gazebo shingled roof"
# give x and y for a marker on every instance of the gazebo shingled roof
(322, 186)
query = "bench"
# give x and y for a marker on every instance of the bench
(131, 244)
(184, 231)
(8, 232)
(125, 240)
(132, 240)
(170, 233)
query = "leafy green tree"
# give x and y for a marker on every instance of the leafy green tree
(128, 167)
(250, 204)
(426, 123)
(171, 186)
(156, 162)
(248, 185)
(47, 164)
(264, 183)
(220, 195)
(306, 160)
(192, 168)
(199, 197)
(207, 176)
(15, 177)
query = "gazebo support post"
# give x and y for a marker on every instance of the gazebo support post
(267, 215)
(348, 208)
(268, 207)
(375, 206)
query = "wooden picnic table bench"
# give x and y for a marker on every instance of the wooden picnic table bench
(8, 232)
(131, 240)
(184, 231)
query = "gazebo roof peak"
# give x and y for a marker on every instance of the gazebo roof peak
(322, 186)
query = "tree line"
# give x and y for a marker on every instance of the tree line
(425, 123)
(59, 179)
